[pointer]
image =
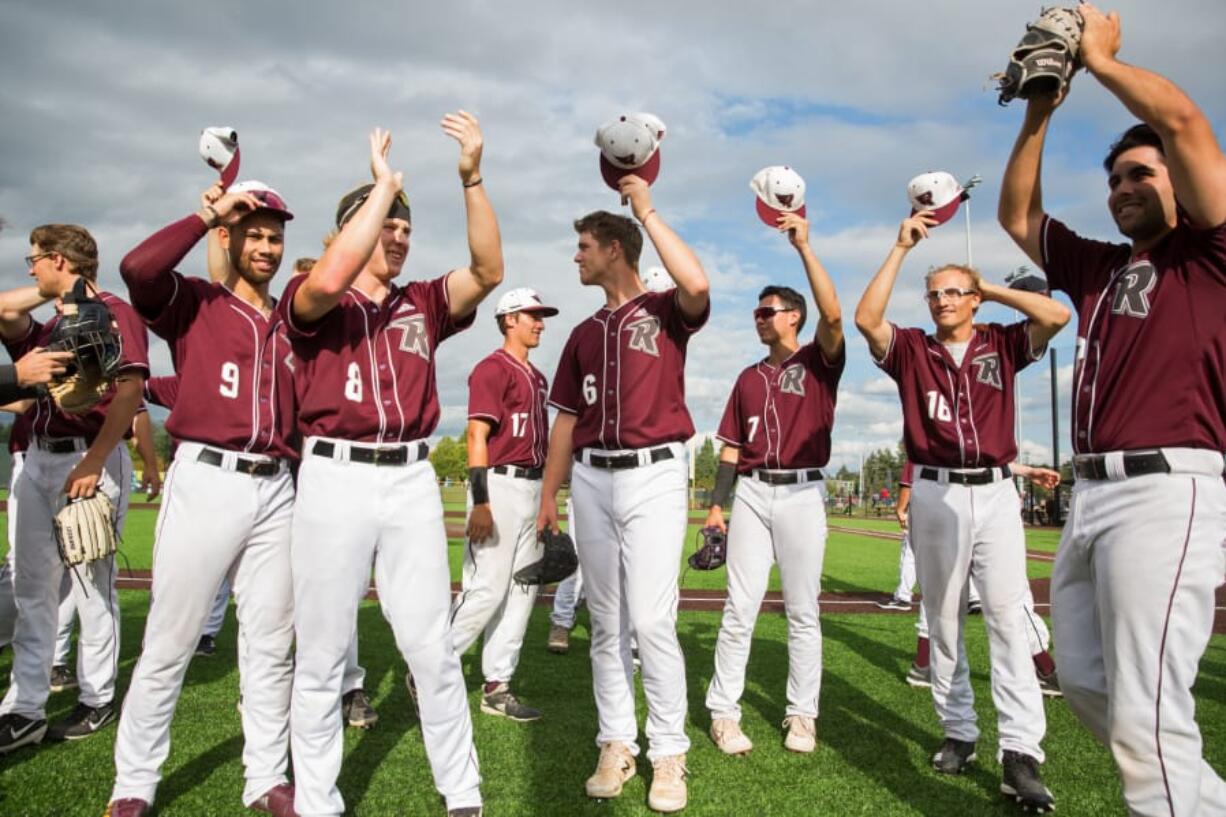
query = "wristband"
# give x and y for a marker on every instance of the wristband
(211, 222)
(478, 485)
(725, 476)
(474, 184)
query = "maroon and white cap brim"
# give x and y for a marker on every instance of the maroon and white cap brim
(945, 212)
(613, 174)
(770, 216)
(230, 172)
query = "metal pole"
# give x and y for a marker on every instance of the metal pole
(1055, 434)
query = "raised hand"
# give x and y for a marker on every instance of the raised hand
(796, 228)
(914, 229)
(380, 170)
(637, 194)
(465, 129)
(1100, 37)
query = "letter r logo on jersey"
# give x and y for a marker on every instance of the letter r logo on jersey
(1132, 291)
(987, 370)
(413, 336)
(792, 381)
(643, 335)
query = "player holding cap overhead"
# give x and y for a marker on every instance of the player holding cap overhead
(229, 496)
(956, 387)
(1133, 586)
(776, 432)
(620, 394)
(71, 455)
(508, 432)
(366, 348)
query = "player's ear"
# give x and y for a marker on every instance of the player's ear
(223, 237)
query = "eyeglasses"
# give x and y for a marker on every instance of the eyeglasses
(933, 296)
(765, 313)
(31, 260)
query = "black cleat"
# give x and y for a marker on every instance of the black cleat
(62, 678)
(953, 756)
(1021, 781)
(17, 731)
(82, 722)
(206, 646)
(501, 701)
(357, 711)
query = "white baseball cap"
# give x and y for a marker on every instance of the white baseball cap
(219, 149)
(268, 198)
(657, 279)
(523, 299)
(937, 191)
(630, 145)
(780, 189)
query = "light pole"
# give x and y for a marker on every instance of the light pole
(967, 186)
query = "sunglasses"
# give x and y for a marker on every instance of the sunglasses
(765, 313)
(933, 296)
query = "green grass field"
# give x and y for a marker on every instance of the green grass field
(875, 732)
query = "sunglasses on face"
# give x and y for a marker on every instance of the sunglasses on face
(933, 296)
(765, 313)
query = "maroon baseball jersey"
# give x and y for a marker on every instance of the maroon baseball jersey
(19, 434)
(622, 372)
(163, 390)
(45, 417)
(908, 474)
(233, 362)
(781, 416)
(1151, 340)
(367, 370)
(510, 394)
(959, 416)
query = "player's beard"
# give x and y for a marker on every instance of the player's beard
(1148, 224)
(256, 277)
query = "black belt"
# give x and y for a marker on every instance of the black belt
(255, 468)
(788, 477)
(384, 455)
(519, 473)
(59, 445)
(1136, 463)
(984, 476)
(619, 462)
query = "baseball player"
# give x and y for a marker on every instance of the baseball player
(776, 433)
(956, 387)
(229, 494)
(70, 456)
(620, 395)
(508, 430)
(366, 351)
(1141, 556)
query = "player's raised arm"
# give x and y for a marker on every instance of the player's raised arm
(693, 288)
(15, 308)
(348, 253)
(557, 466)
(1020, 209)
(466, 287)
(1193, 157)
(1047, 315)
(830, 314)
(870, 312)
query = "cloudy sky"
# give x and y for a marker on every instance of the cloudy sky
(103, 104)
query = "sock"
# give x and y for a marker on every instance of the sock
(921, 652)
(1043, 663)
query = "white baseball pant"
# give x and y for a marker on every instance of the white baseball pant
(489, 601)
(37, 576)
(217, 611)
(1037, 635)
(65, 615)
(1132, 606)
(631, 528)
(772, 523)
(962, 531)
(348, 514)
(569, 592)
(246, 538)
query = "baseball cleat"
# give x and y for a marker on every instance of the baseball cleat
(801, 733)
(126, 807)
(469, 811)
(668, 790)
(277, 801)
(357, 711)
(83, 721)
(559, 640)
(17, 731)
(62, 678)
(501, 701)
(919, 676)
(953, 756)
(974, 608)
(1049, 685)
(895, 603)
(1021, 781)
(206, 646)
(729, 738)
(615, 767)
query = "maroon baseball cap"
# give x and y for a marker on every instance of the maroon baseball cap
(268, 198)
(219, 149)
(779, 189)
(628, 146)
(936, 191)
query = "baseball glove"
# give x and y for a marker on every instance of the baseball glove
(713, 552)
(85, 529)
(557, 562)
(1044, 60)
(86, 328)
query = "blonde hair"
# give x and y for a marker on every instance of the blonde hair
(969, 272)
